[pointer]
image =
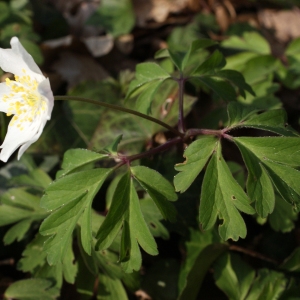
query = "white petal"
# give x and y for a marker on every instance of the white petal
(24, 147)
(17, 48)
(14, 63)
(45, 90)
(4, 89)
(15, 137)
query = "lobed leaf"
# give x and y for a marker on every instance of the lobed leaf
(268, 285)
(233, 276)
(238, 281)
(222, 197)
(203, 248)
(158, 188)
(20, 206)
(197, 154)
(283, 217)
(194, 47)
(209, 66)
(250, 41)
(71, 197)
(273, 120)
(276, 157)
(114, 219)
(220, 87)
(75, 159)
(146, 73)
(237, 79)
(125, 212)
(283, 150)
(259, 186)
(32, 289)
(153, 218)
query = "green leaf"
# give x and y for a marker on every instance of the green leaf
(33, 256)
(142, 231)
(111, 190)
(196, 154)
(250, 41)
(110, 288)
(75, 159)
(220, 87)
(10, 214)
(146, 73)
(17, 232)
(176, 58)
(238, 113)
(4, 12)
(259, 186)
(272, 120)
(179, 57)
(283, 217)
(144, 100)
(202, 250)
(209, 66)
(158, 188)
(153, 218)
(114, 219)
(68, 188)
(233, 276)
(72, 197)
(293, 48)
(285, 179)
(259, 68)
(236, 79)
(292, 262)
(32, 289)
(36, 178)
(222, 197)
(238, 61)
(127, 213)
(34, 261)
(277, 155)
(268, 285)
(19, 206)
(194, 47)
(113, 147)
(283, 150)
(116, 16)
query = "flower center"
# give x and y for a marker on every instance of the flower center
(25, 100)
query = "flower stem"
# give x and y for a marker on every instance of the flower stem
(120, 108)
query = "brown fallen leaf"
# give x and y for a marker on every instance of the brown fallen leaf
(159, 10)
(285, 23)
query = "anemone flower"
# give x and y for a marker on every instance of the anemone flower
(28, 98)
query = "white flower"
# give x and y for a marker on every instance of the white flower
(29, 98)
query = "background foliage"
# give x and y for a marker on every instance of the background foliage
(75, 227)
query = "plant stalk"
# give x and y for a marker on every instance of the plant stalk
(123, 109)
(128, 159)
